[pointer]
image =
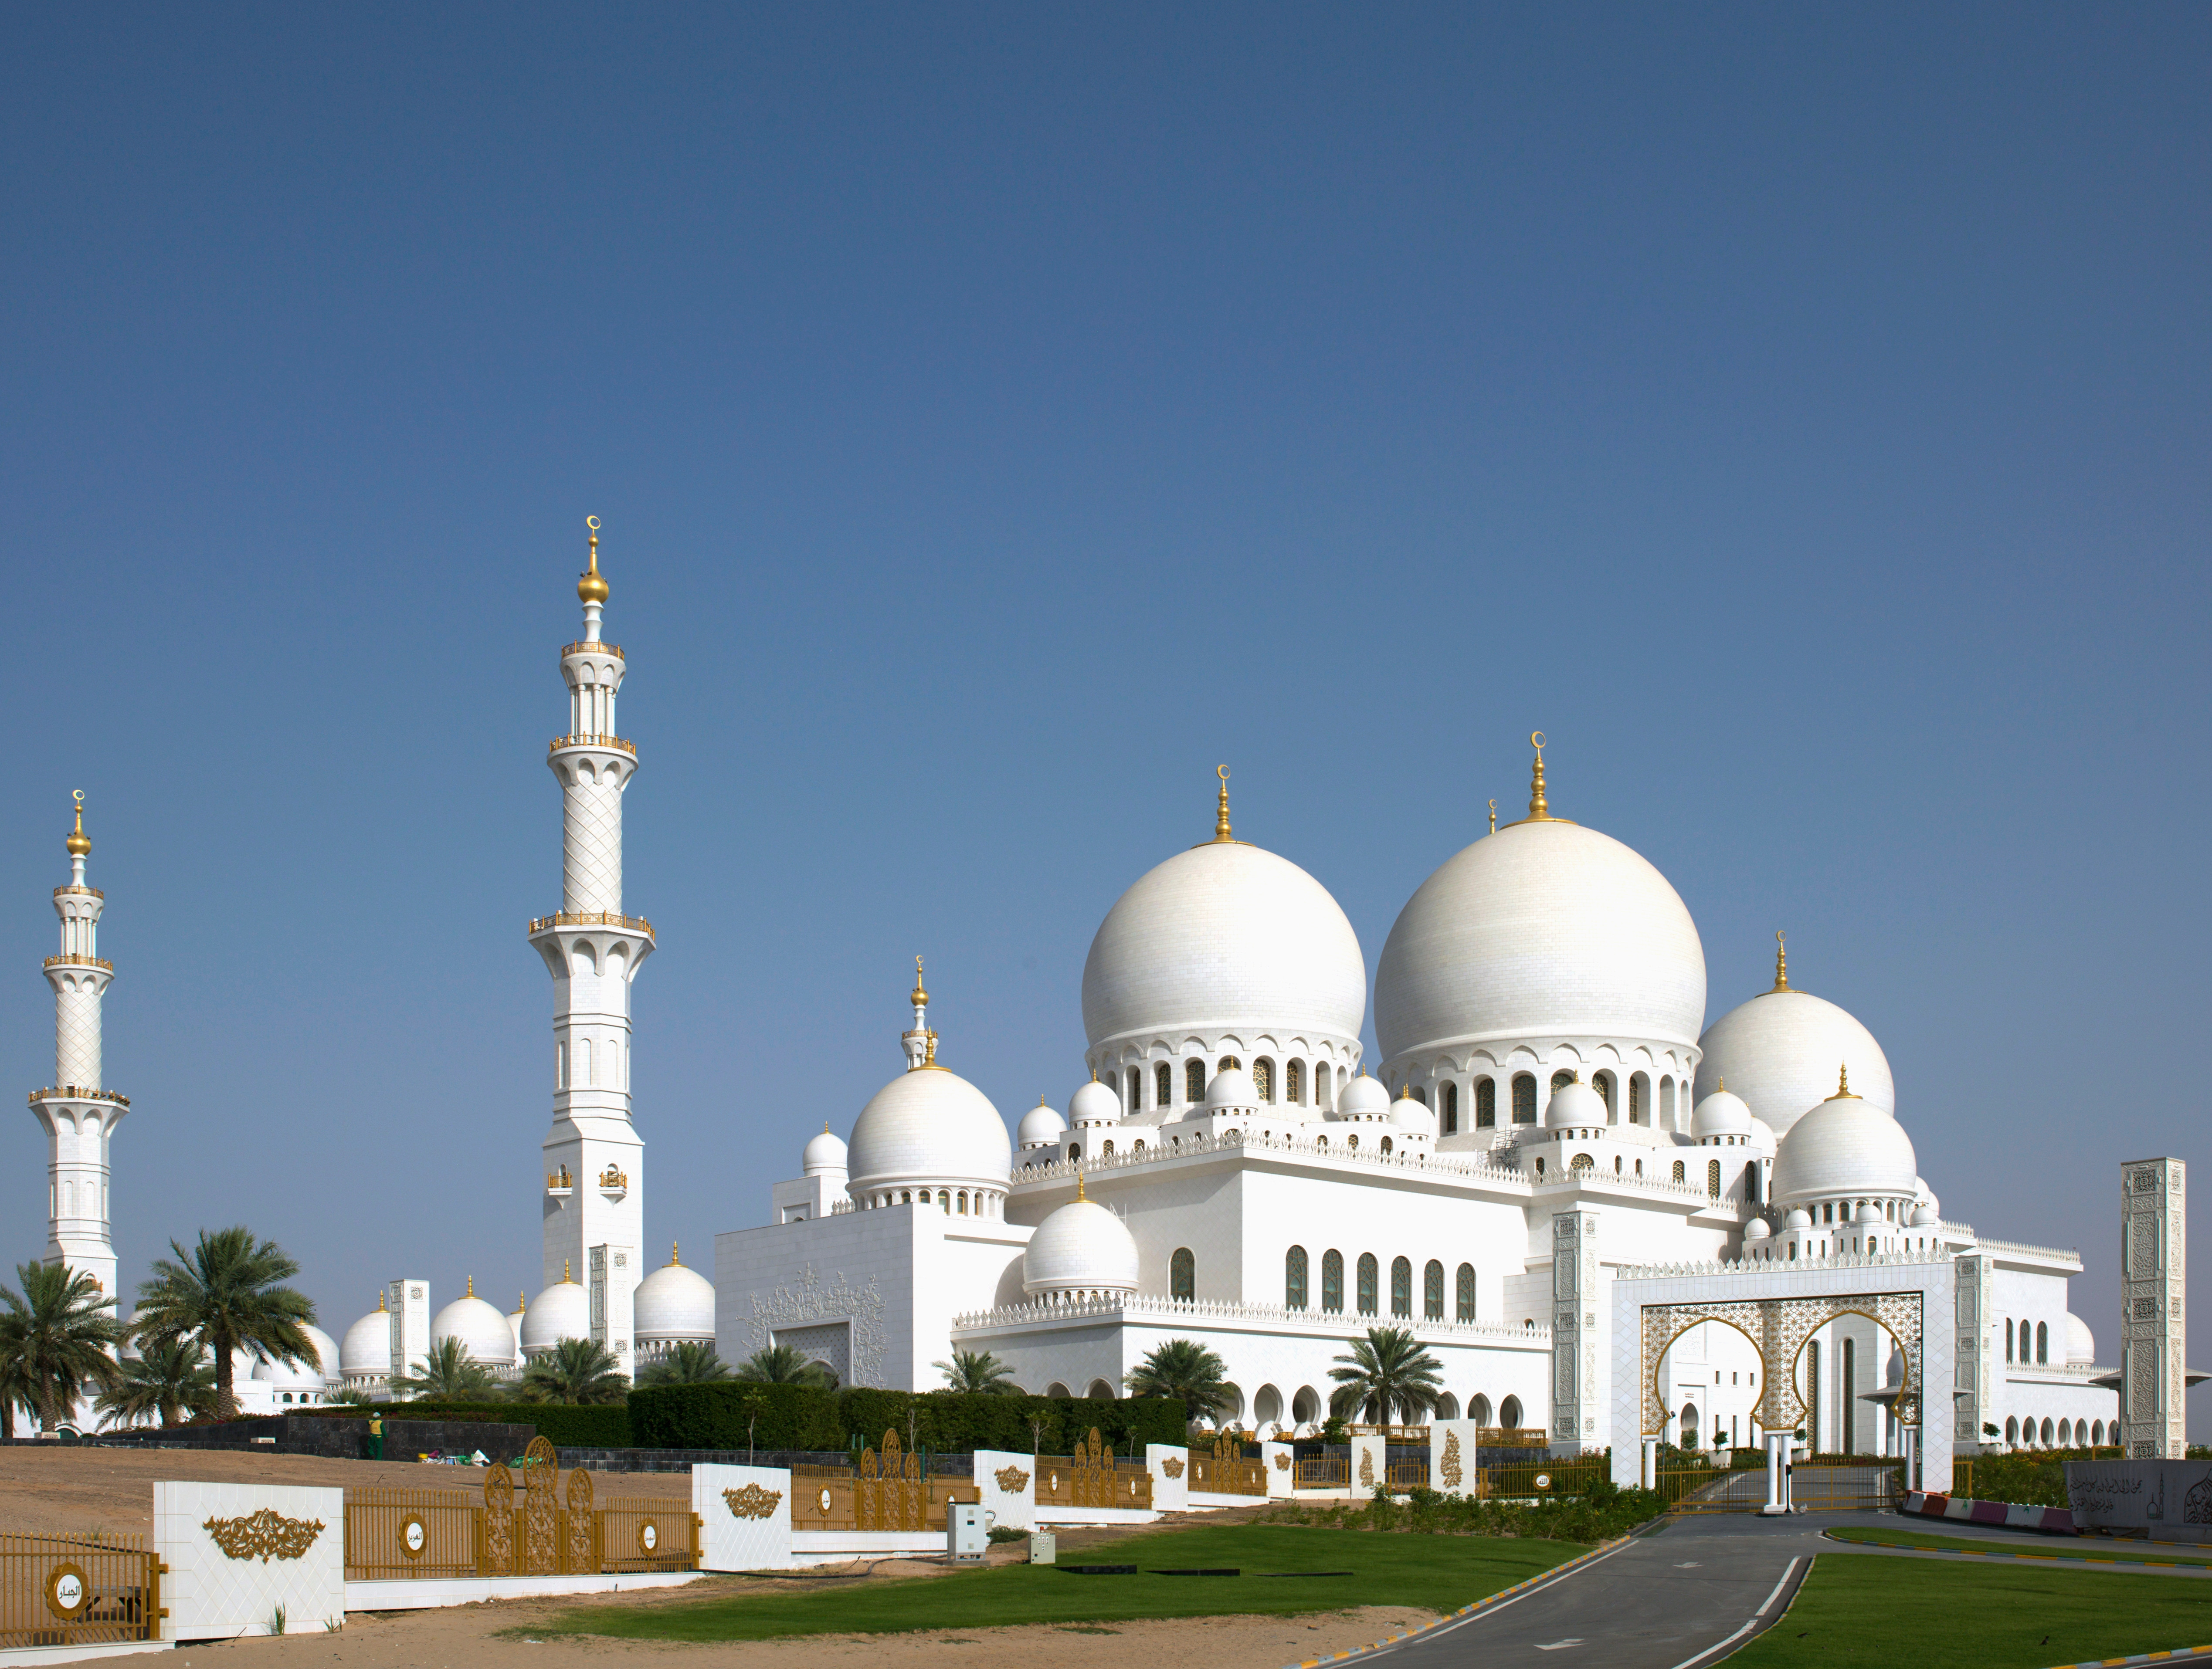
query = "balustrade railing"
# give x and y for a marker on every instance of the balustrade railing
(589, 739)
(591, 919)
(70, 959)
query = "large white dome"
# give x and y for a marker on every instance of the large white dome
(368, 1347)
(1225, 938)
(310, 1376)
(1780, 1052)
(1544, 929)
(1845, 1147)
(485, 1333)
(1080, 1247)
(561, 1311)
(674, 1302)
(928, 1125)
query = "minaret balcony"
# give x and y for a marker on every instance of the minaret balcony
(588, 740)
(614, 649)
(590, 918)
(74, 1092)
(561, 1183)
(72, 960)
(79, 892)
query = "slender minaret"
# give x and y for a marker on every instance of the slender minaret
(594, 1162)
(78, 1115)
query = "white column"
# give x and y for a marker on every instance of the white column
(1777, 1458)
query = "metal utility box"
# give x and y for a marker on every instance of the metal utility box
(966, 1540)
(1044, 1547)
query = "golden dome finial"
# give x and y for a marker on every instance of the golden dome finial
(380, 1310)
(1843, 1081)
(1080, 1195)
(1781, 962)
(471, 1292)
(929, 1049)
(1221, 834)
(1539, 810)
(921, 997)
(675, 1253)
(1493, 816)
(1720, 1084)
(565, 1278)
(592, 588)
(521, 1301)
(78, 843)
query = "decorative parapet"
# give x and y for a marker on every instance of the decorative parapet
(587, 739)
(79, 892)
(1769, 1266)
(77, 1092)
(72, 960)
(614, 649)
(1141, 1307)
(1092, 1164)
(591, 919)
(2018, 1248)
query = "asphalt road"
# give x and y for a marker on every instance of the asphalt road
(1671, 1599)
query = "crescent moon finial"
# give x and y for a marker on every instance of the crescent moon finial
(1536, 740)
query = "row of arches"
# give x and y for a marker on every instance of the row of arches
(953, 1202)
(1287, 1081)
(1367, 1273)
(1481, 1094)
(2041, 1341)
(2067, 1433)
(61, 1199)
(598, 1062)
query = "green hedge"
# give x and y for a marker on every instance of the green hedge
(564, 1425)
(797, 1416)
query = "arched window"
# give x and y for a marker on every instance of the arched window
(1678, 1171)
(1449, 1097)
(2042, 1342)
(1712, 1179)
(560, 1065)
(591, 1067)
(2012, 1430)
(1229, 1064)
(1524, 1098)
(1294, 1082)
(1294, 1279)
(1194, 1081)
(1421, 1093)
(1369, 1274)
(2096, 1434)
(1164, 1084)
(2008, 1338)
(2048, 1434)
(1133, 1098)
(1637, 1113)
(1433, 1292)
(1401, 1286)
(1751, 1183)
(1666, 1102)
(1848, 1402)
(1263, 1079)
(1331, 1280)
(1582, 1162)
(1182, 1274)
(1386, 1143)
(963, 1206)
(2065, 1435)
(1075, 1150)
(1477, 1410)
(1485, 1103)
(1107, 1149)
(1603, 1084)
(1561, 1079)
(1689, 1425)
(1466, 1312)
(1509, 1411)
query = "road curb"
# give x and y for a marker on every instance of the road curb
(2035, 1559)
(1468, 1610)
(2178, 1655)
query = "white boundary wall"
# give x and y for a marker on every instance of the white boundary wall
(727, 1542)
(213, 1596)
(1170, 1495)
(1439, 1430)
(1005, 1508)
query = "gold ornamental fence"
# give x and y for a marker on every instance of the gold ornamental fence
(1092, 1477)
(78, 1590)
(555, 1527)
(887, 1490)
(1224, 1470)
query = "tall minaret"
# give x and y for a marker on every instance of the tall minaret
(594, 1161)
(77, 1114)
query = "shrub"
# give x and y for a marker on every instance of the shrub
(798, 1417)
(564, 1425)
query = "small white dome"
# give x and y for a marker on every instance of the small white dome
(1869, 1212)
(1926, 1216)
(1780, 1050)
(928, 1125)
(368, 1347)
(311, 1375)
(1844, 1146)
(1363, 1098)
(1799, 1217)
(825, 1155)
(1756, 1230)
(1042, 1126)
(485, 1336)
(1080, 1247)
(1720, 1113)
(2081, 1343)
(673, 1303)
(1094, 1103)
(1575, 1106)
(1232, 1087)
(563, 1311)
(1412, 1115)
(1926, 1196)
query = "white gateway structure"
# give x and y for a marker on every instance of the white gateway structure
(1554, 1133)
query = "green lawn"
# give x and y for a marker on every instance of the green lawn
(2037, 1547)
(1436, 1573)
(1859, 1612)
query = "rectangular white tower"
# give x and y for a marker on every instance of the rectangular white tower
(2153, 1312)
(78, 1115)
(594, 1162)
(409, 1300)
(1578, 1388)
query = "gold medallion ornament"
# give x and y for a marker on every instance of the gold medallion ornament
(1367, 1469)
(1450, 1468)
(648, 1537)
(1012, 1479)
(264, 1535)
(752, 1501)
(414, 1536)
(1172, 1467)
(68, 1592)
(1282, 1463)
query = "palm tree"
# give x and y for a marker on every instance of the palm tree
(226, 1292)
(173, 1381)
(448, 1374)
(978, 1372)
(575, 1371)
(1184, 1369)
(1387, 1371)
(690, 1362)
(784, 1364)
(55, 1340)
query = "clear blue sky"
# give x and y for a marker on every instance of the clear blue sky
(1000, 416)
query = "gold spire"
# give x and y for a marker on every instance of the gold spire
(675, 1253)
(918, 997)
(1080, 1195)
(1843, 1084)
(1781, 963)
(1221, 834)
(521, 1301)
(929, 1046)
(1720, 1084)
(471, 1292)
(78, 843)
(565, 1281)
(1493, 816)
(1539, 809)
(591, 588)
(379, 1302)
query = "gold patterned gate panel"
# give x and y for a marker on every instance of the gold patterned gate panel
(891, 1493)
(541, 1511)
(1779, 1328)
(579, 1549)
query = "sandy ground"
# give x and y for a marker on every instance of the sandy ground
(112, 1490)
